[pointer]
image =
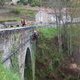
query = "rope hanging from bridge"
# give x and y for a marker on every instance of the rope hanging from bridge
(11, 54)
(33, 37)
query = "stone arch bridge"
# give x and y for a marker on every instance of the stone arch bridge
(17, 50)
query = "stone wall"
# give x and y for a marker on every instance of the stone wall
(13, 45)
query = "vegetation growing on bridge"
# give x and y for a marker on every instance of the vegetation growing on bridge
(6, 74)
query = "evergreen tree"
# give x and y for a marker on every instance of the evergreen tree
(30, 1)
(23, 1)
(2, 2)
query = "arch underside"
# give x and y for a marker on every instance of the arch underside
(28, 66)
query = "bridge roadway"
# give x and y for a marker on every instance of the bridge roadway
(17, 28)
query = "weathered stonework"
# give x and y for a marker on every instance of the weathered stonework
(16, 41)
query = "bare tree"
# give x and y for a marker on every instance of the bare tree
(2, 2)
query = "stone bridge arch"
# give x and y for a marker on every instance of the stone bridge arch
(27, 61)
(15, 43)
(28, 66)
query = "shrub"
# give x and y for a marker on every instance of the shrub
(35, 3)
(6, 74)
(15, 11)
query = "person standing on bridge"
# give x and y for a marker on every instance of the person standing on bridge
(23, 22)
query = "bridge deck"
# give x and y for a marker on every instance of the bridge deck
(17, 28)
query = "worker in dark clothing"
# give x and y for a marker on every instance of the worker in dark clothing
(35, 36)
(23, 22)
